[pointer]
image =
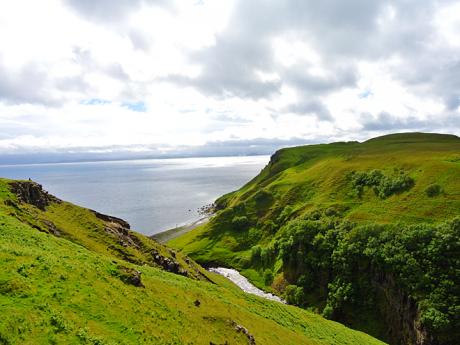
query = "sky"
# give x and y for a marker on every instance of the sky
(113, 78)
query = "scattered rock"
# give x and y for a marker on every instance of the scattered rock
(244, 330)
(51, 227)
(207, 210)
(129, 276)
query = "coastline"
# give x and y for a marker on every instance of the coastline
(167, 235)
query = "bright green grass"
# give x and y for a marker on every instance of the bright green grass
(81, 226)
(314, 177)
(53, 291)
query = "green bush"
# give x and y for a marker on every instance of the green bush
(268, 277)
(382, 185)
(294, 295)
(240, 222)
(255, 253)
(433, 190)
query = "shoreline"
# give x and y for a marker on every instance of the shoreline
(167, 235)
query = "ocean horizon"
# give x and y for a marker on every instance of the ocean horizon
(153, 195)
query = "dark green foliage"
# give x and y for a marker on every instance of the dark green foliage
(382, 185)
(433, 190)
(240, 222)
(355, 263)
(263, 199)
(294, 295)
(268, 276)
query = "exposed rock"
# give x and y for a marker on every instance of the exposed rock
(33, 193)
(51, 227)
(129, 276)
(169, 264)
(119, 228)
(244, 330)
(122, 223)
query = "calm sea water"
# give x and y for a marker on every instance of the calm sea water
(152, 195)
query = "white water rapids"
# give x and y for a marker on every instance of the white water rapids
(243, 283)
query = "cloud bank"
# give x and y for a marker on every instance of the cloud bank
(201, 77)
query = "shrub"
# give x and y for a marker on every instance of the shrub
(240, 222)
(382, 185)
(255, 253)
(433, 190)
(294, 295)
(268, 276)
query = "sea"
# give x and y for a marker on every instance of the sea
(153, 195)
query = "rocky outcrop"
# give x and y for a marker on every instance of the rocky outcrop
(33, 193)
(111, 219)
(118, 228)
(168, 264)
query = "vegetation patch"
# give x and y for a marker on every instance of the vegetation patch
(382, 185)
(433, 190)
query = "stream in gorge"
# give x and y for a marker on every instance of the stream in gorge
(243, 283)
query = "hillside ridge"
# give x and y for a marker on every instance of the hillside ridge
(348, 229)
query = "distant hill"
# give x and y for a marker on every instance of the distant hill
(364, 233)
(70, 275)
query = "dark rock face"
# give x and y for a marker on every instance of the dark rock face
(401, 314)
(33, 193)
(168, 264)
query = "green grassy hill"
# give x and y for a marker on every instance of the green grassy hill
(72, 276)
(364, 233)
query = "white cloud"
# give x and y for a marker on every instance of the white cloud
(207, 72)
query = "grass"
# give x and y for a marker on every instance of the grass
(68, 290)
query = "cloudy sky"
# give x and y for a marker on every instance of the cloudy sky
(107, 77)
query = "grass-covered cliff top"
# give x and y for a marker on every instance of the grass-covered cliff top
(302, 179)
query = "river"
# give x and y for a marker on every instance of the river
(243, 283)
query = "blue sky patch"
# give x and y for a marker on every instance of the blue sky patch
(136, 106)
(366, 94)
(95, 101)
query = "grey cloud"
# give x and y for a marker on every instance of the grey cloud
(29, 85)
(258, 146)
(139, 40)
(108, 10)
(387, 122)
(342, 32)
(230, 66)
(310, 84)
(314, 107)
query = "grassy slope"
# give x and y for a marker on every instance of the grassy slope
(82, 226)
(53, 290)
(315, 177)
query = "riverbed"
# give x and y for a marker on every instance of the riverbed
(244, 284)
